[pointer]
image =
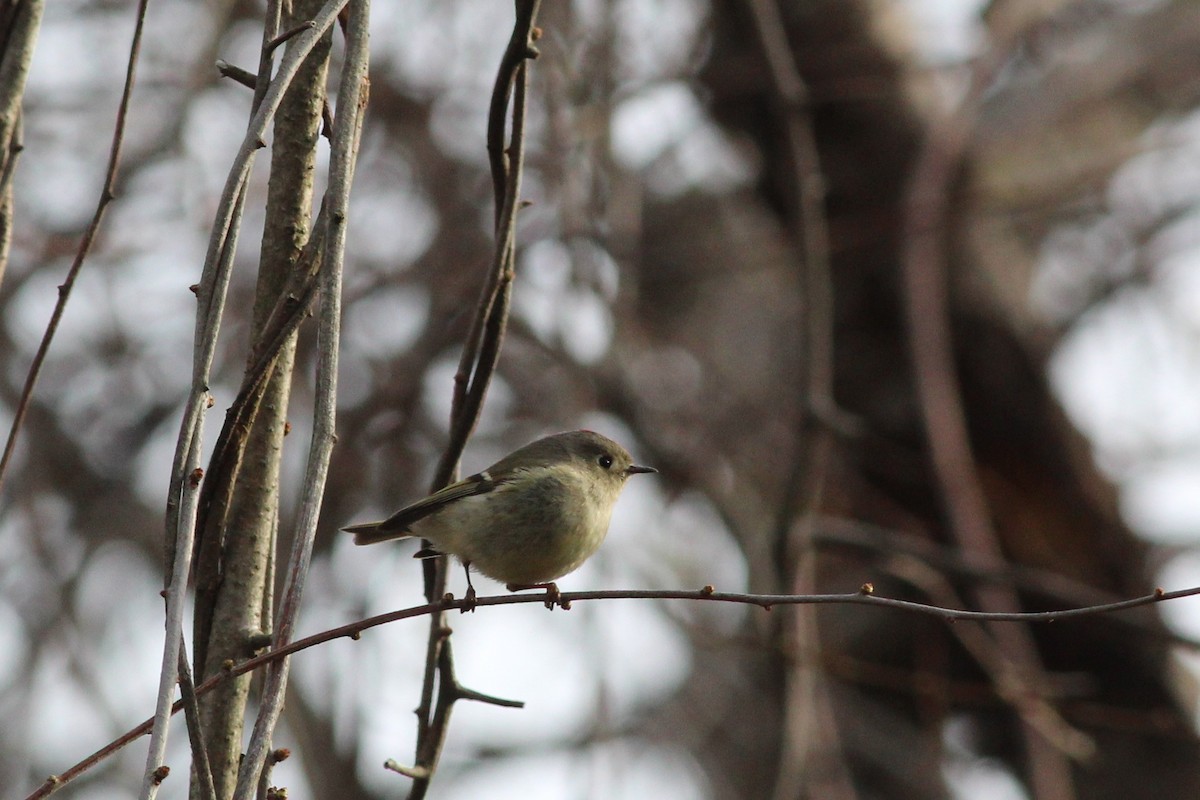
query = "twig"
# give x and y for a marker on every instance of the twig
(191, 710)
(474, 369)
(864, 597)
(307, 25)
(85, 243)
(237, 74)
(352, 100)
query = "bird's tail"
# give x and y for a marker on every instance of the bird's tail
(374, 532)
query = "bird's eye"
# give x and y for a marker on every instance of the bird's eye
(605, 461)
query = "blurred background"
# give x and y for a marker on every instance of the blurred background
(675, 291)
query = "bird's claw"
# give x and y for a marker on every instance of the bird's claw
(468, 603)
(553, 595)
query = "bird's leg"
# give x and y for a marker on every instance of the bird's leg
(469, 600)
(553, 595)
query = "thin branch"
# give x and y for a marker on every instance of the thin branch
(191, 711)
(352, 101)
(835, 532)
(475, 368)
(290, 310)
(1011, 683)
(85, 243)
(237, 74)
(282, 38)
(863, 597)
(481, 351)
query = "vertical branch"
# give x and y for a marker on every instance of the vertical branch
(183, 493)
(481, 352)
(807, 706)
(927, 225)
(19, 25)
(238, 516)
(487, 326)
(810, 230)
(352, 99)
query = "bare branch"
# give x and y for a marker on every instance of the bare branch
(481, 351)
(85, 243)
(864, 597)
(352, 100)
(183, 494)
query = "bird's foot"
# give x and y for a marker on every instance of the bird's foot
(468, 603)
(553, 595)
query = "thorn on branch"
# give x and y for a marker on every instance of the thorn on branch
(416, 773)
(294, 32)
(237, 74)
(257, 640)
(463, 693)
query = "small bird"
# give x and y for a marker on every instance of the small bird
(530, 518)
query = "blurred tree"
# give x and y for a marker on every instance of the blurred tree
(785, 251)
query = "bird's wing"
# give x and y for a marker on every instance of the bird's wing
(479, 483)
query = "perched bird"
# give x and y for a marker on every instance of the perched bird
(530, 518)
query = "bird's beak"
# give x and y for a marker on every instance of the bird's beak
(636, 470)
